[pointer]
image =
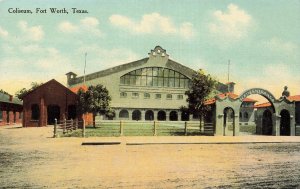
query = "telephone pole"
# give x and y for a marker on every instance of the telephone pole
(84, 68)
(228, 70)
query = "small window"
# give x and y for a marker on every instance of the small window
(146, 95)
(35, 112)
(179, 97)
(158, 96)
(123, 95)
(169, 96)
(135, 95)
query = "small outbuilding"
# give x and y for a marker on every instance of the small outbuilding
(10, 110)
(48, 102)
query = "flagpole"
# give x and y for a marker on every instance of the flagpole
(84, 68)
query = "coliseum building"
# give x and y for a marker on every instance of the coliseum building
(148, 89)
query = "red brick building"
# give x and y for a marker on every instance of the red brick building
(48, 102)
(10, 110)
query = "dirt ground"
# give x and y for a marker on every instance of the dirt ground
(30, 158)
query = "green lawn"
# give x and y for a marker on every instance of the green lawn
(135, 129)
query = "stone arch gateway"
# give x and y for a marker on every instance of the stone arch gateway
(235, 103)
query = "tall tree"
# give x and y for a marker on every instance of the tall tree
(202, 85)
(4, 92)
(95, 100)
(20, 93)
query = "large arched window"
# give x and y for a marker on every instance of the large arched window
(155, 77)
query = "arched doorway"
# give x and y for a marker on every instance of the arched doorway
(136, 115)
(228, 122)
(285, 123)
(173, 116)
(267, 123)
(124, 114)
(53, 112)
(185, 116)
(149, 115)
(161, 116)
(255, 119)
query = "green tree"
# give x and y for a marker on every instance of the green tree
(20, 93)
(201, 87)
(95, 100)
(4, 92)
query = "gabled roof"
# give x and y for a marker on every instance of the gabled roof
(47, 83)
(230, 95)
(108, 71)
(6, 99)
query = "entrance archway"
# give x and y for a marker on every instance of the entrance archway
(53, 112)
(185, 116)
(136, 115)
(258, 120)
(285, 129)
(161, 115)
(124, 114)
(228, 122)
(173, 116)
(149, 115)
(267, 123)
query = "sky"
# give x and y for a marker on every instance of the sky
(260, 38)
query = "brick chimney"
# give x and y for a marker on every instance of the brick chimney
(10, 98)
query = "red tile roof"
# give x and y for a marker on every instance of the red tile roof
(76, 89)
(262, 105)
(231, 95)
(294, 98)
(267, 104)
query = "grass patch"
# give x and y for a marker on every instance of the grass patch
(136, 129)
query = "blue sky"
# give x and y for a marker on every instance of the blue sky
(260, 38)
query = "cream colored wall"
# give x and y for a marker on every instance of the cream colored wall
(112, 83)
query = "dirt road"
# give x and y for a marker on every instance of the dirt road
(30, 158)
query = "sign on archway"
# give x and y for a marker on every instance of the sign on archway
(258, 91)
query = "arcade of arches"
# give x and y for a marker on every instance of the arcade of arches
(149, 115)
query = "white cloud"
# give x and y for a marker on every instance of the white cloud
(278, 45)
(34, 33)
(153, 23)
(85, 25)
(89, 21)
(3, 33)
(67, 27)
(273, 77)
(233, 24)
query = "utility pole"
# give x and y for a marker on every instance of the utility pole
(84, 68)
(228, 76)
(228, 70)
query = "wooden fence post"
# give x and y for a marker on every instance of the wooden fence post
(154, 131)
(65, 126)
(185, 128)
(121, 128)
(83, 128)
(76, 124)
(72, 126)
(55, 128)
